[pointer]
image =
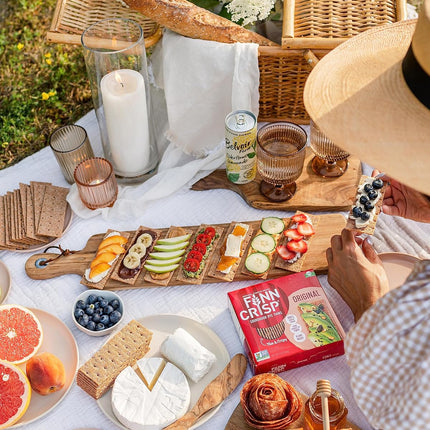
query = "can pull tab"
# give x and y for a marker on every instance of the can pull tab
(240, 119)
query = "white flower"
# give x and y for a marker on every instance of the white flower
(249, 11)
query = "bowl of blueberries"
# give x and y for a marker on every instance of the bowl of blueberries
(97, 313)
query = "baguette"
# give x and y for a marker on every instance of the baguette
(183, 17)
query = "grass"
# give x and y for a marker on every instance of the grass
(43, 85)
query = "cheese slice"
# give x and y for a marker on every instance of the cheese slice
(233, 248)
(140, 408)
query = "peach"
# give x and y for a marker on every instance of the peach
(46, 373)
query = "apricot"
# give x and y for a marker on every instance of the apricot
(46, 373)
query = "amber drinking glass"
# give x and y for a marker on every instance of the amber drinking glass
(281, 150)
(330, 160)
(96, 183)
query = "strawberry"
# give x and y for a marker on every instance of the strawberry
(285, 253)
(299, 218)
(297, 246)
(293, 234)
(305, 229)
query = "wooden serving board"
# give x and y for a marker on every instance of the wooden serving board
(314, 193)
(237, 420)
(78, 261)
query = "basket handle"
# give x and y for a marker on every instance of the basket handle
(310, 58)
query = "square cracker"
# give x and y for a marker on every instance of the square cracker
(37, 192)
(53, 213)
(370, 227)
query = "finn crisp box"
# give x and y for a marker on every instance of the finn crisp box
(285, 323)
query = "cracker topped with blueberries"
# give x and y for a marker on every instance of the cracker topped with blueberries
(368, 203)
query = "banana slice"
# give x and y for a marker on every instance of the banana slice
(145, 239)
(131, 260)
(138, 248)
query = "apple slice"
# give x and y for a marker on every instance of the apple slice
(173, 240)
(158, 262)
(170, 248)
(160, 269)
(166, 255)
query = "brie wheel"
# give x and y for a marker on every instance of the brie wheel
(139, 408)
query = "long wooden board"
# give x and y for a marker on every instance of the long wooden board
(314, 193)
(78, 261)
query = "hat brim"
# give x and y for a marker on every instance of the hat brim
(358, 97)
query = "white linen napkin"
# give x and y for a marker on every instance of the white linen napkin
(203, 81)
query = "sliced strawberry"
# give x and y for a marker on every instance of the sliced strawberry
(298, 218)
(306, 229)
(297, 246)
(293, 234)
(285, 253)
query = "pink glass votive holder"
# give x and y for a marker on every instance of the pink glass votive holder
(96, 183)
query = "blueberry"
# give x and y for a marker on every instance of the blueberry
(89, 310)
(96, 305)
(103, 303)
(104, 319)
(365, 216)
(367, 188)
(98, 311)
(114, 303)
(83, 320)
(91, 325)
(96, 318)
(368, 206)
(115, 316)
(108, 309)
(80, 304)
(357, 211)
(372, 195)
(363, 199)
(78, 312)
(377, 184)
(110, 324)
(92, 298)
(100, 326)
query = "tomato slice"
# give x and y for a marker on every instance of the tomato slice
(199, 247)
(203, 238)
(191, 265)
(210, 231)
(196, 255)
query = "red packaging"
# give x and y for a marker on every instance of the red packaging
(285, 323)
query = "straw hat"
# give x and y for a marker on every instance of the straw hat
(358, 95)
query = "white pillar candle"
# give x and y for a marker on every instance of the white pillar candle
(124, 102)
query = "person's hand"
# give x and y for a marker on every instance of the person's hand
(355, 272)
(403, 201)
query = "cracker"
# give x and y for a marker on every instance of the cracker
(123, 349)
(10, 227)
(219, 251)
(298, 264)
(199, 279)
(53, 214)
(30, 222)
(370, 227)
(21, 235)
(2, 225)
(38, 192)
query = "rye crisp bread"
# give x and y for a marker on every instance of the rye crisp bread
(37, 192)
(30, 222)
(2, 225)
(53, 213)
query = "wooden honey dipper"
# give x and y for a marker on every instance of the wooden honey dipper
(324, 391)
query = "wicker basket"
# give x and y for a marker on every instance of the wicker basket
(72, 17)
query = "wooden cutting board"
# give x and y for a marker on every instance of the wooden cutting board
(237, 420)
(314, 193)
(78, 261)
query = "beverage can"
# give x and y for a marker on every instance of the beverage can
(240, 145)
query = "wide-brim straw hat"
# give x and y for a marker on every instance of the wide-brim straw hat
(361, 95)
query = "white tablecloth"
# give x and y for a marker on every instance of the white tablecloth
(204, 303)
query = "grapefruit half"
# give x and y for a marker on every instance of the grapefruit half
(15, 394)
(20, 334)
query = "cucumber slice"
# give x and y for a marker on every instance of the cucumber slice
(263, 243)
(170, 261)
(272, 225)
(166, 255)
(257, 263)
(160, 269)
(173, 240)
(169, 248)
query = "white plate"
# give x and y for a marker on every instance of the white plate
(58, 340)
(67, 222)
(398, 267)
(4, 281)
(163, 325)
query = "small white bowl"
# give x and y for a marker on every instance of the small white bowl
(108, 295)
(4, 281)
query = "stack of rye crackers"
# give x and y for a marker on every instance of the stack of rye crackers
(32, 215)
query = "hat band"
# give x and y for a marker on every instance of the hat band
(416, 78)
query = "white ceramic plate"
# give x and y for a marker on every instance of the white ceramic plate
(398, 267)
(58, 340)
(4, 281)
(67, 222)
(163, 325)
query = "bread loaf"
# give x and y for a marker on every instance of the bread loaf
(183, 17)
